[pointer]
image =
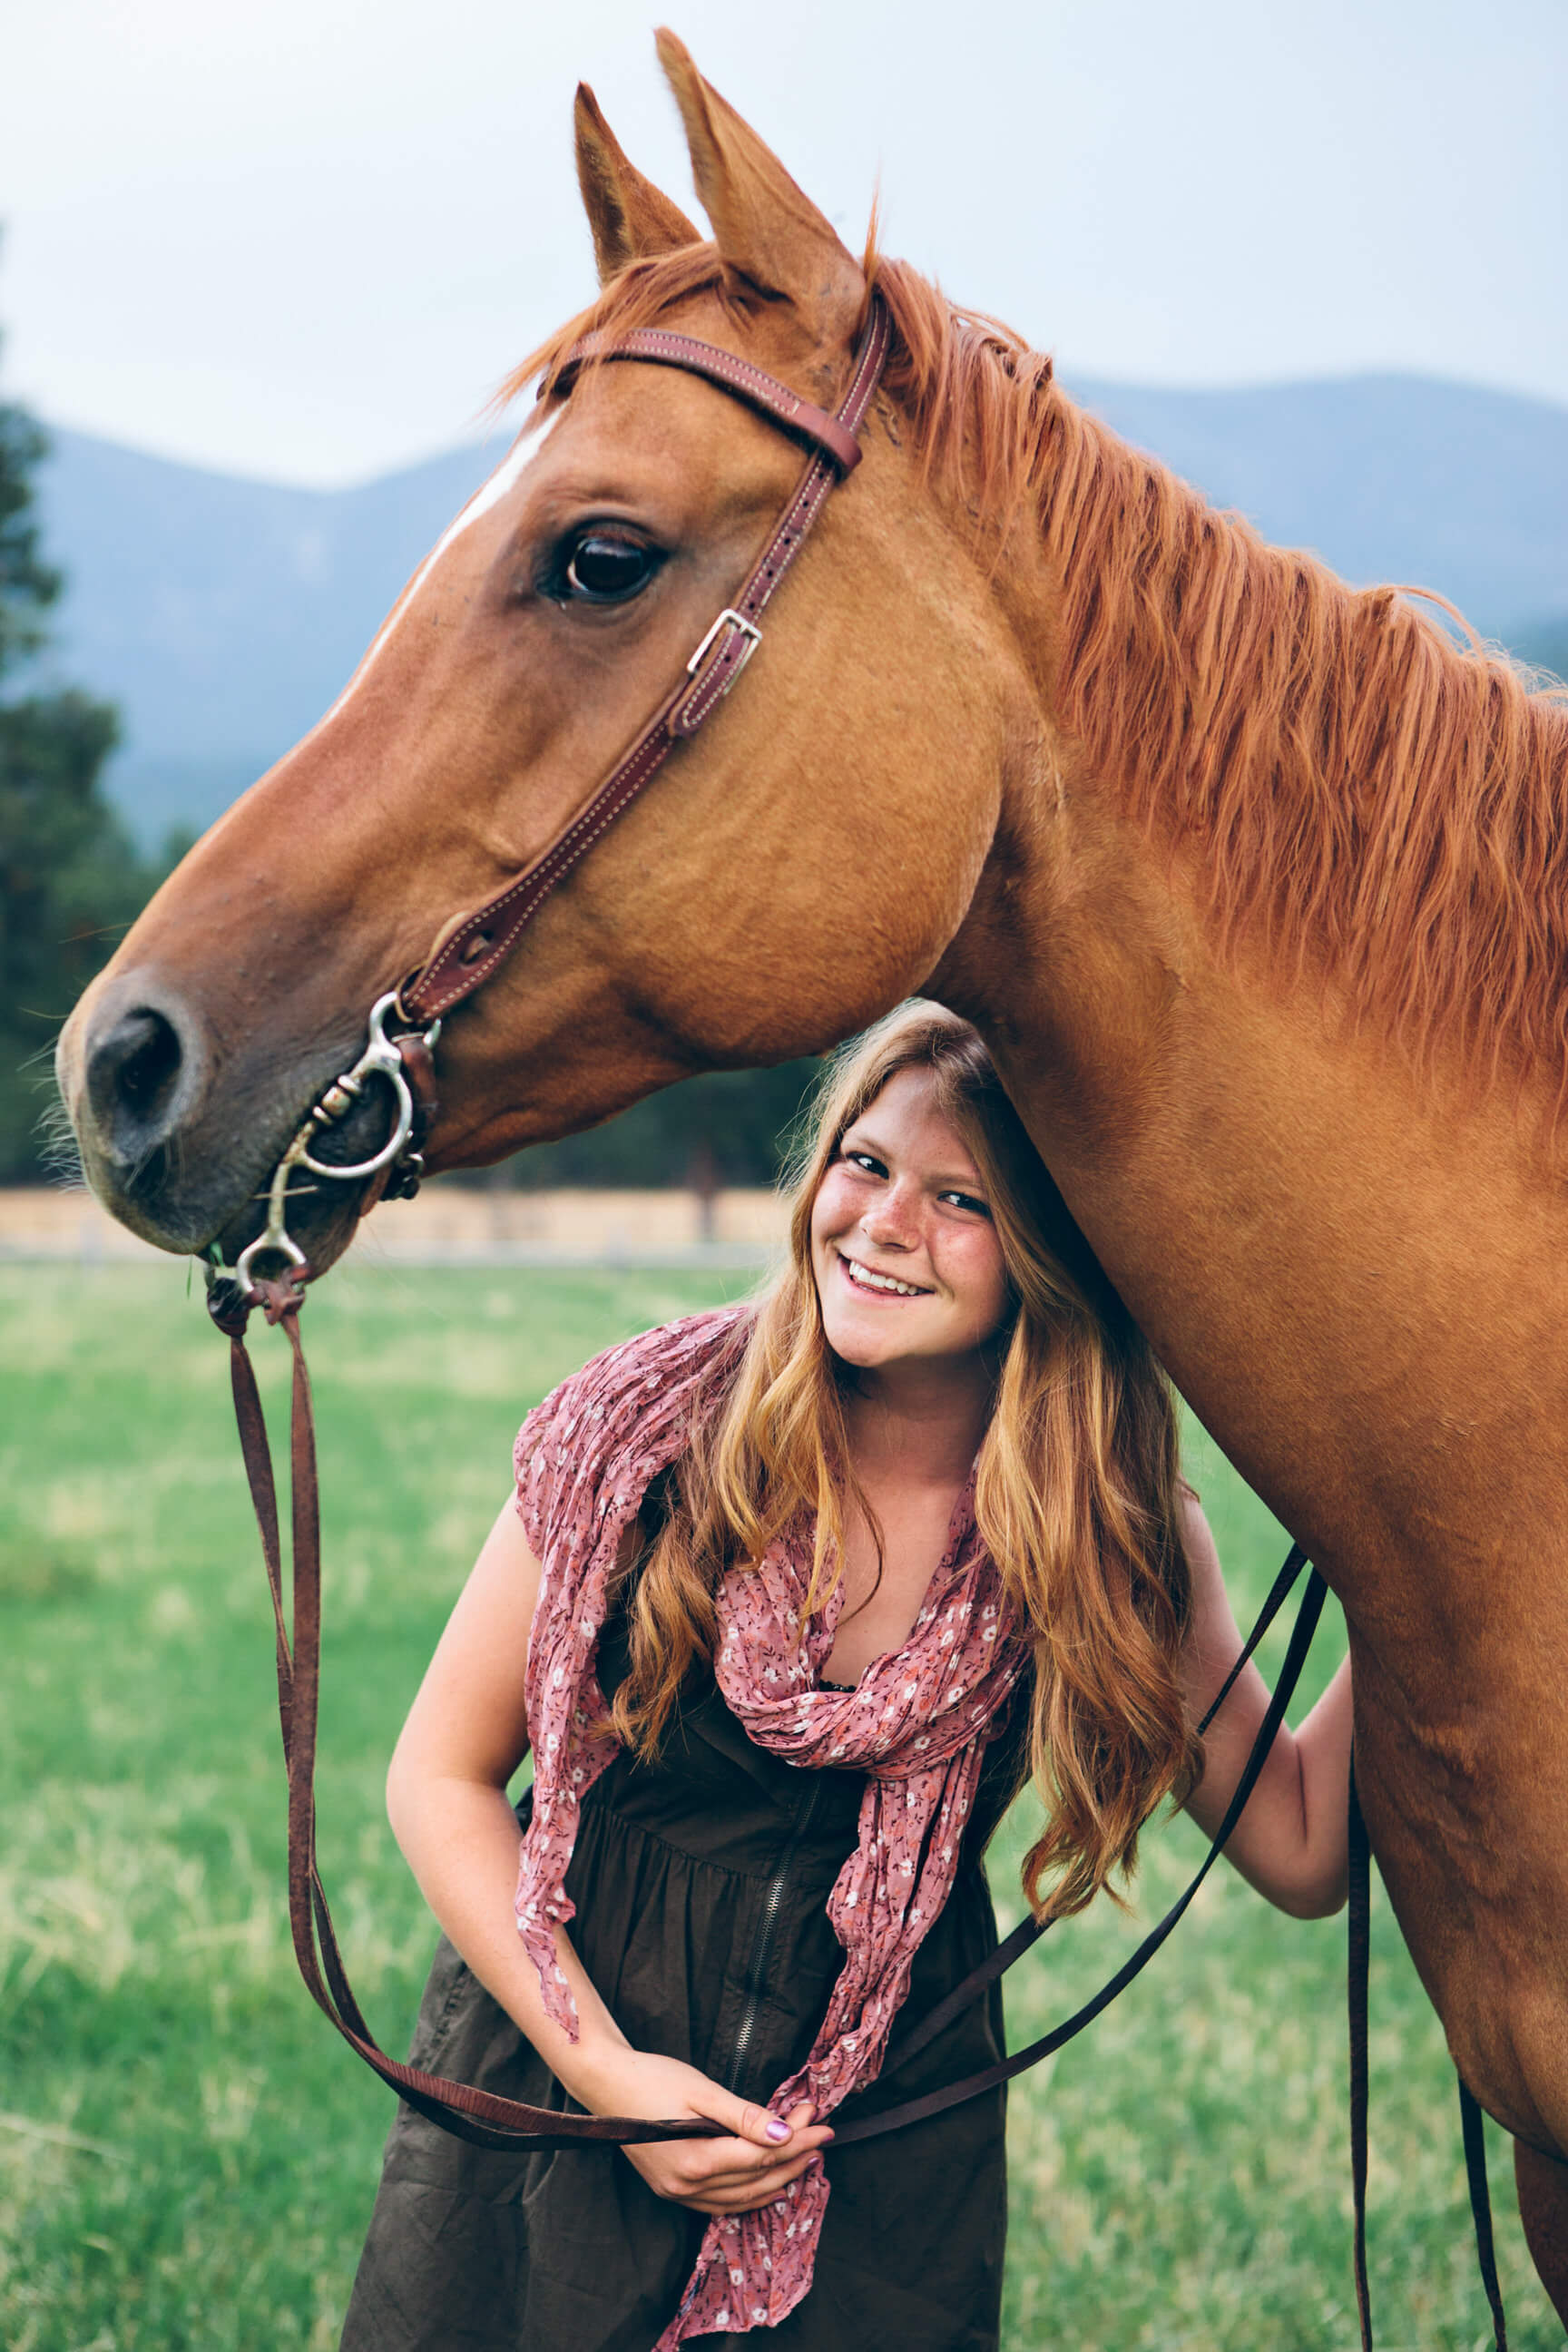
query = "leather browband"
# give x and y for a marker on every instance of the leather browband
(480, 943)
(774, 400)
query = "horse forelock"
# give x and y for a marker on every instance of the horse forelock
(1352, 789)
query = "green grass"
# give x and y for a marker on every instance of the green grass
(187, 2154)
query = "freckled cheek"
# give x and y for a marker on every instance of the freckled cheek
(972, 1268)
(833, 1212)
(829, 1221)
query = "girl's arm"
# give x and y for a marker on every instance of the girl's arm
(445, 1796)
(1290, 1842)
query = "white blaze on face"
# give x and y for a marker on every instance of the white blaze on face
(507, 475)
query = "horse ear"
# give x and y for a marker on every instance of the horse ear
(630, 218)
(767, 229)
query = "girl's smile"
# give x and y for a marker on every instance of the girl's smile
(878, 1285)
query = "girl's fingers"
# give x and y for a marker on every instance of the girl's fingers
(709, 2162)
(725, 2163)
(760, 2154)
(748, 2196)
(749, 2183)
(757, 2125)
(741, 2162)
(768, 2138)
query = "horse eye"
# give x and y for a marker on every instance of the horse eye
(603, 569)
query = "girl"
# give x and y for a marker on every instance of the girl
(789, 1599)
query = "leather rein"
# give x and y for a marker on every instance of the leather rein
(405, 1027)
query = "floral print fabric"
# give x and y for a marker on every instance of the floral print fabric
(915, 1724)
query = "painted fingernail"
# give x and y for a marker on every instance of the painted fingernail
(777, 2130)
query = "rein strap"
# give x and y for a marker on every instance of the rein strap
(458, 2107)
(467, 959)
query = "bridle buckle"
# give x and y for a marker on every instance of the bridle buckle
(728, 619)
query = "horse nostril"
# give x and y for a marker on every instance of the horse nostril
(134, 1076)
(152, 1064)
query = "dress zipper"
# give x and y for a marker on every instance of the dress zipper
(773, 1902)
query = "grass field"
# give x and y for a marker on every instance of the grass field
(187, 2153)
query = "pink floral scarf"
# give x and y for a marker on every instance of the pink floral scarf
(915, 1724)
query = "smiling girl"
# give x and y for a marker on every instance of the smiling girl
(790, 1601)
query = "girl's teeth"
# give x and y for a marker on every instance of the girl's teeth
(863, 1273)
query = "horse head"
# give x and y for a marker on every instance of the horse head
(795, 870)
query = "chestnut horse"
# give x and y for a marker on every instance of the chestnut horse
(1257, 887)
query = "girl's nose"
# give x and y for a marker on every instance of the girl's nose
(892, 1219)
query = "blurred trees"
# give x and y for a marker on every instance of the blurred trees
(731, 1128)
(27, 583)
(70, 879)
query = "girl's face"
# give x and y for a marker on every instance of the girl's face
(907, 1261)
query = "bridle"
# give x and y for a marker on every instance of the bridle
(403, 1030)
(405, 1023)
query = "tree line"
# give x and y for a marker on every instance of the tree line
(73, 879)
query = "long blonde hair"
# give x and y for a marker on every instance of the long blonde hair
(1076, 1480)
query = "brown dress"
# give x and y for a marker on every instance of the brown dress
(700, 1883)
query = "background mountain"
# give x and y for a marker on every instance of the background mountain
(223, 615)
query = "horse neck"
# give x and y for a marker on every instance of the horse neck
(1345, 1254)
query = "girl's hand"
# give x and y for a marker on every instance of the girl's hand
(753, 2163)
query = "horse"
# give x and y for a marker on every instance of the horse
(1256, 885)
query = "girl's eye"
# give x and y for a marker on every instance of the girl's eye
(606, 568)
(866, 1160)
(965, 1201)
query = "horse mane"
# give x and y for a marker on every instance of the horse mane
(1350, 786)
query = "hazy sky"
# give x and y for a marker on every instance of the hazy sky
(303, 240)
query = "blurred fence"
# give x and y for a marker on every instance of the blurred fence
(449, 1225)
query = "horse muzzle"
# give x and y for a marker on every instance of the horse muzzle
(180, 1137)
